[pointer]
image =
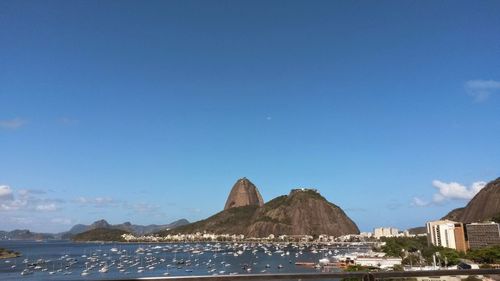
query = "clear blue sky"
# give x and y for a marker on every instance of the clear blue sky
(149, 111)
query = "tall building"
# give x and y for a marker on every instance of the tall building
(460, 238)
(482, 234)
(441, 233)
(385, 232)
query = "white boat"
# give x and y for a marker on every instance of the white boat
(324, 261)
(104, 269)
(26, 272)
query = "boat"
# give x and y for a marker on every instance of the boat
(26, 272)
(104, 269)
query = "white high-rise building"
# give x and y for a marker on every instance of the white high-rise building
(385, 232)
(441, 233)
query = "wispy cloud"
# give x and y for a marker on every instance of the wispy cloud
(67, 121)
(143, 207)
(12, 123)
(418, 202)
(62, 221)
(98, 202)
(26, 200)
(46, 207)
(481, 90)
(106, 202)
(394, 205)
(6, 193)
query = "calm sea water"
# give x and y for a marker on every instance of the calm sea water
(64, 260)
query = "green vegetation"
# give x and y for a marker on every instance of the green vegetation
(7, 254)
(416, 251)
(228, 221)
(101, 234)
(274, 220)
(486, 255)
(276, 202)
(496, 218)
(354, 268)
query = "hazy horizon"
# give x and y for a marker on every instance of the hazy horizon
(149, 112)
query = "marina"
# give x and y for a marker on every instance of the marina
(59, 260)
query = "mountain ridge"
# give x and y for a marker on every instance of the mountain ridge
(302, 212)
(126, 226)
(485, 205)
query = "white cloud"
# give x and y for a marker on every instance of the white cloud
(455, 190)
(13, 205)
(49, 207)
(21, 220)
(418, 202)
(98, 202)
(481, 90)
(6, 193)
(143, 207)
(63, 221)
(12, 123)
(26, 200)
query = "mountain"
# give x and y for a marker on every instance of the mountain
(146, 229)
(127, 226)
(244, 193)
(24, 234)
(302, 212)
(417, 230)
(100, 224)
(484, 206)
(455, 214)
(101, 234)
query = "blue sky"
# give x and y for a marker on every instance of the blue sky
(149, 111)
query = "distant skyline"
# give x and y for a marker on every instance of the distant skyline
(150, 111)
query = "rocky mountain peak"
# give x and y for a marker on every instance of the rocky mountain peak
(100, 224)
(243, 193)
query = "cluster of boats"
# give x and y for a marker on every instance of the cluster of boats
(182, 259)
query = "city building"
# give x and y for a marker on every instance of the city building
(441, 233)
(380, 262)
(481, 235)
(460, 238)
(385, 232)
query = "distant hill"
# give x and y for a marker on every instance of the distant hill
(417, 230)
(24, 234)
(302, 212)
(101, 234)
(127, 226)
(484, 206)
